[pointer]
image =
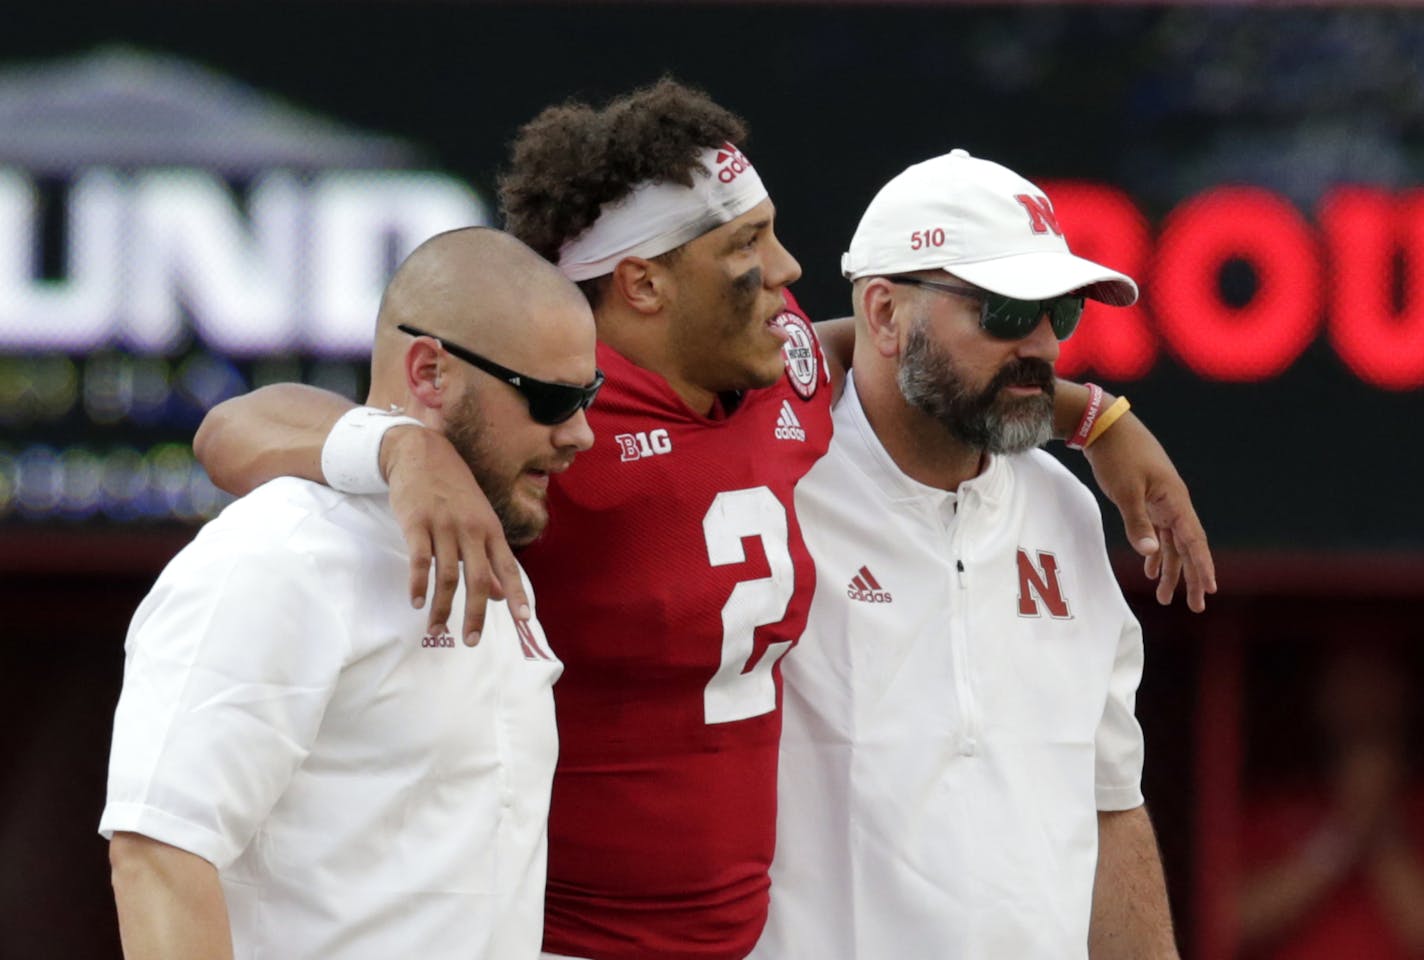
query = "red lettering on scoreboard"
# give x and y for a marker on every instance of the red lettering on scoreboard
(1357, 278)
(1368, 232)
(1104, 225)
(1261, 338)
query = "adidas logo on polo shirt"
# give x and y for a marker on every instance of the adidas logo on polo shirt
(787, 426)
(867, 589)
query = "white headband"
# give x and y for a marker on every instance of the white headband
(658, 216)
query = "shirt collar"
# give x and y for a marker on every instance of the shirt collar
(869, 454)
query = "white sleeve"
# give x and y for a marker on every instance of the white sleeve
(230, 663)
(1119, 746)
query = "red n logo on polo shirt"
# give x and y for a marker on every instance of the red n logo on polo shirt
(529, 644)
(1040, 213)
(1038, 583)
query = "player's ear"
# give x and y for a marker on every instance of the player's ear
(883, 323)
(425, 363)
(643, 284)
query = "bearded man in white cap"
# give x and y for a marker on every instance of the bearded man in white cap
(960, 766)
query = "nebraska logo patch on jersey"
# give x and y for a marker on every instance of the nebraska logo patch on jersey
(730, 162)
(787, 426)
(799, 353)
(1038, 583)
(866, 588)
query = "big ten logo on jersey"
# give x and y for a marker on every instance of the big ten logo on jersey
(731, 162)
(637, 446)
(1039, 583)
(799, 354)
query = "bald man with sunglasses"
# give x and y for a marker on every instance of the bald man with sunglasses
(300, 768)
(960, 765)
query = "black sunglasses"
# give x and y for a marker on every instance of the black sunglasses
(1007, 318)
(549, 403)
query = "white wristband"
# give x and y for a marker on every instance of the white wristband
(351, 455)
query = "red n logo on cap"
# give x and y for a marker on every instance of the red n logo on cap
(1040, 213)
(1042, 582)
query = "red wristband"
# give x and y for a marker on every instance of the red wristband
(1090, 417)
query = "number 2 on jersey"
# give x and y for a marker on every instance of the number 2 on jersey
(735, 693)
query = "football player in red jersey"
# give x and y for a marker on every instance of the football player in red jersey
(665, 798)
(673, 576)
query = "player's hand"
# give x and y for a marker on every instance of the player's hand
(1135, 473)
(447, 520)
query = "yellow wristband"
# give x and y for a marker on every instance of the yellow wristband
(1106, 419)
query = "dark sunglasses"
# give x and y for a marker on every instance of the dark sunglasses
(549, 403)
(1010, 319)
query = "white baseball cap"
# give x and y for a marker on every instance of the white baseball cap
(984, 224)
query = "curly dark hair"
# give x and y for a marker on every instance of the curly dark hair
(571, 159)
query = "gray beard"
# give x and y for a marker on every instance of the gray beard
(985, 420)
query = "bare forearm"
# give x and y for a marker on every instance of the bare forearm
(1398, 877)
(1275, 899)
(1278, 896)
(838, 344)
(1131, 919)
(170, 902)
(1136, 474)
(276, 431)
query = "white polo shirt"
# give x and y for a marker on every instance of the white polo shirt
(366, 791)
(958, 710)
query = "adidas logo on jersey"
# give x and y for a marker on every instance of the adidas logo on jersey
(866, 589)
(787, 426)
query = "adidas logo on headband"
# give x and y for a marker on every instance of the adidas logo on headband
(730, 162)
(659, 216)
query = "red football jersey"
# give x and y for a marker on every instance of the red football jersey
(672, 579)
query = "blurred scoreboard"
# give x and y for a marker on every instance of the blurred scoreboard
(144, 278)
(174, 230)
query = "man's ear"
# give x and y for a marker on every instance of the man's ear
(642, 284)
(884, 324)
(425, 362)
